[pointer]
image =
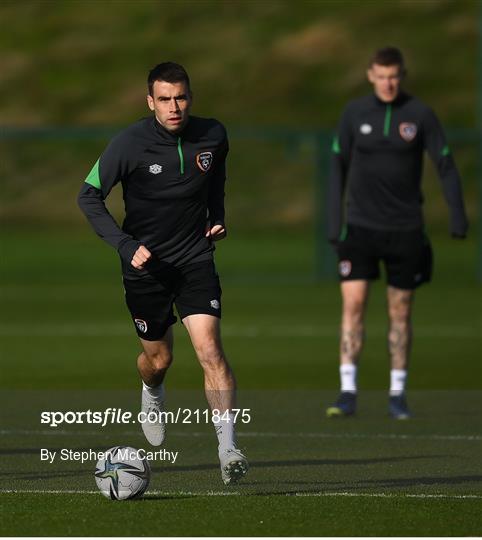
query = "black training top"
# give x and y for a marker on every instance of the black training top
(378, 154)
(172, 185)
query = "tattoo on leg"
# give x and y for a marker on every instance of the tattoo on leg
(399, 341)
(351, 344)
(400, 332)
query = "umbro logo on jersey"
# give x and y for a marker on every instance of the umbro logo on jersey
(408, 130)
(215, 304)
(141, 325)
(366, 129)
(204, 161)
(155, 169)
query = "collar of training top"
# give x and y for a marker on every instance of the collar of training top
(167, 135)
(401, 98)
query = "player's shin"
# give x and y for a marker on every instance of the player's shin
(234, 464)
(221, 403)
(152, 407)
(224, 426)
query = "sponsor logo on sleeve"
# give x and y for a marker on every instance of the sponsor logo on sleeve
(141, 325)
(204, 161)
(155, 169)
(408, 131)
(344, 268)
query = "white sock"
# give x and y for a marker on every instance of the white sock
(348, 378)
(155, 392)
(398, 379)
(225, 432)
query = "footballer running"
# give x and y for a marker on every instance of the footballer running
(172, 168)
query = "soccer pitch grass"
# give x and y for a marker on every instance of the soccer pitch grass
(67, 344)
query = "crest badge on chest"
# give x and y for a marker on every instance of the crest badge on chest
(408, 131)
(204, 161)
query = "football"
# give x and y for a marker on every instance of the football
(122, 473)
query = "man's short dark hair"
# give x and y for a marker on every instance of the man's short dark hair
(169, 72)
(388, 56)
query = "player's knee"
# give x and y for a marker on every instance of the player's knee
(399, 314)
(158, 361)
(211, 355)
(353, 308)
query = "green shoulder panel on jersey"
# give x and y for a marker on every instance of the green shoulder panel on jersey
(335, 147)
(445, 151)
(93, 178)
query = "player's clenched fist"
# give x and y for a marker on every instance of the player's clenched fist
(141, 256)
(217, 232)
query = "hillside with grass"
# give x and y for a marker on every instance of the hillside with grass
(264, 67)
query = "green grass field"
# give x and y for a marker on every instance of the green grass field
(67, 344)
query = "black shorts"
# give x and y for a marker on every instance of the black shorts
(407, 256)
(194, 288)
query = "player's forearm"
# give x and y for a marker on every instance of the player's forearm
(216, 215)
(444, 162)
(334, 199)
(452, 189)
(216, 202)
(92, 205)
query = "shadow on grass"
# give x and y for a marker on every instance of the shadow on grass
(147, 497)
(28, 475)
(424, 481)
(328, 486)
(33, 451)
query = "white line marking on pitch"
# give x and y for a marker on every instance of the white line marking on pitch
(97, 492)
(237, 493)
(391, 495)
(394, 436)
(255, 434)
